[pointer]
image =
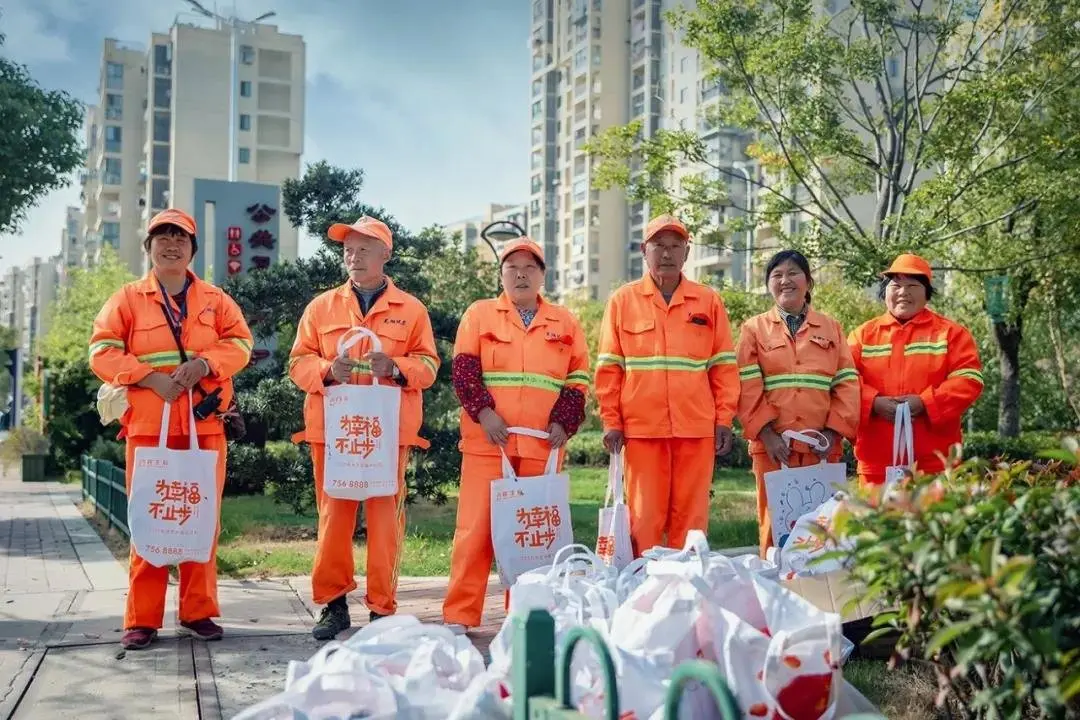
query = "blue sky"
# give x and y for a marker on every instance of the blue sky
(429, 97)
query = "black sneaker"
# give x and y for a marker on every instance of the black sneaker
(373, 616)
(333, 619)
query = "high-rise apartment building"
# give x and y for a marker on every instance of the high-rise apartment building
(178, 97)
(72, 244)
(470, 228)
(41, 280)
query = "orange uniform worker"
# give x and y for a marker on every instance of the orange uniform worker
(668, 388)
(134, 344)
(519, 361)
(409, 358)
(797, 374)
(911, 354)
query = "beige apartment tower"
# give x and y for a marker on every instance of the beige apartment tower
(172, 104)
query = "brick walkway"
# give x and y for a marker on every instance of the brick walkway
(61, 605)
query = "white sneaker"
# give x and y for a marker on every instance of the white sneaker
(456, 629)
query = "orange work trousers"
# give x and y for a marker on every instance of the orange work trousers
(334, 572)
(763, 464)
(472, 552)
(667, 489)
(198, 581)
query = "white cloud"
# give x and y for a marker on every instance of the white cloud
(26, 38)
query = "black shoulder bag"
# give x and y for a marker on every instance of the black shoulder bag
(235, 428)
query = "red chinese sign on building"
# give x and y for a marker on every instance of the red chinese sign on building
(176, 501)
(538, 526)
(361, 435)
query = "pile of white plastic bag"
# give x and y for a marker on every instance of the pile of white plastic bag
(780, 655)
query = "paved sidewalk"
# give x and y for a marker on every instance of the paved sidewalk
(61, 613)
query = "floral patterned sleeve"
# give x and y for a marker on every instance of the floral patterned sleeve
(569, 410)
(468, 377)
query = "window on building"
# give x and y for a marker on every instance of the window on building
(637, 105)
(538, 134)
(682, 95)
(114, 106)
(112, 173)
(114, 76)
(245, 88)
(244, 155)
(581, 58)
(596, 55)
(537, 87)
(159, 194)
(110, 233)
(537, 110)
(162, 92)
(162, 59)
(537, 183)
(537, 9)
(160, 156)
(247, 54)
(113, 138)
(161, 127)
(682, 64)
(245, 122)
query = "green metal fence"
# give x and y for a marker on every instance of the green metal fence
(103, 484)
(542, 684)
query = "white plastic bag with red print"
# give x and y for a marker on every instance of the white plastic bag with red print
(787, 671)
(806, 543)
(613, 533)
(173, 504)
(530, 516)
(361, 423)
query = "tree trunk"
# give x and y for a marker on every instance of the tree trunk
(1057, 341)
(1008, 337)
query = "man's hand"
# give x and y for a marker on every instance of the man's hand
(885, 407)
(833, 439)
(776, 446)
(614, 441)
(381, 364)
(918, 407)
(494, 427)
(724, 440)
(341, 370)
(163, 386)
(190, 373)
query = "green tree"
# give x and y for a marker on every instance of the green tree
(39, 145)
(426, 264)
(851, 113)
(73, 424)
(9, 340)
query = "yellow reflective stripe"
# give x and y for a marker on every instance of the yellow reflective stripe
(876, 350)
(722, 358)
(165, 359)
(750, 372)
(513, 379)
(844, 375)
(578, 376)
(100, 345)
(969, 373)
(665, 362)
(940, 347)
(430, 363)
(241, 343)
(798, 380)
(608, 359)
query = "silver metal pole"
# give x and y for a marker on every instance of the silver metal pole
(17, 397)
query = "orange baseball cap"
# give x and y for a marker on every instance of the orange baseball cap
(526, 244)
(909, 264)
(179, 218)
(367, 227)
(661, 223)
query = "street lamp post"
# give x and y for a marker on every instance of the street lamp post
(500, 231)
(233, 24)
(748, 250)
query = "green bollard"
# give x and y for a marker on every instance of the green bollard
(533, 669)
(708, 674)
(566, 656)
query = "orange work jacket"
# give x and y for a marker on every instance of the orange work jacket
(808, 382)
(525, 369)
(666, 370)
(401, 323)
(928, 356)
(132, 338)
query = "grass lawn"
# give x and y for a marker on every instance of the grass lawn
(260, 538)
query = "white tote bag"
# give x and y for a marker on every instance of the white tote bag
(361, 423)
(530, 516)
(903, 449)
(173, 504)
(793, 492)
(613, 532)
